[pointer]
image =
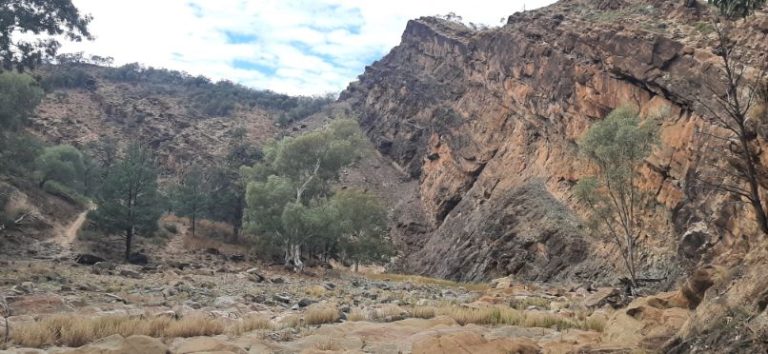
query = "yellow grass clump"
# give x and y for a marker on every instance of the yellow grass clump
(193, 326)
(249, 324)
(290, 321)
(425, 312)
(74, 331)
(319, 313)
(389, 312)
(548, 320)
(522, 303)
(495, 315)
(33, 335)
(357, 314)
(315, 291)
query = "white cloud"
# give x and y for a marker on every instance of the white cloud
(291, 46)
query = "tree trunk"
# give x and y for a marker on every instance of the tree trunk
(128, 240)
(754, 186)
(235, 232)
(357, 266)
(295, 257)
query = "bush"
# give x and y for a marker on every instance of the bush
(68, 77)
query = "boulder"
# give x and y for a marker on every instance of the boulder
(502, 283)
(694, 242)
(117, 344)
(105, 267)
(226, 301)
(697, 284)
(88, 259)
(138, 259)
(305, 302)
(129, 273)
(602, 297)
(281, 298)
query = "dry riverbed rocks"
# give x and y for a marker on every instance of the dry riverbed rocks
(204, 304)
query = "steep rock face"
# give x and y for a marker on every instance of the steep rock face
(488, 122)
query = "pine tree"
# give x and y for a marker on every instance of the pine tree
(128, 200)
(190, 198)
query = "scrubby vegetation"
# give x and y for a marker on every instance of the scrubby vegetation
(203, 96)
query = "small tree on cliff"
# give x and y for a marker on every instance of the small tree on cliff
(128, 200)
(618, 145)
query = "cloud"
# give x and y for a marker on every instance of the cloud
(303, 47)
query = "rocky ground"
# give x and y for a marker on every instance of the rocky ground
(194, 296)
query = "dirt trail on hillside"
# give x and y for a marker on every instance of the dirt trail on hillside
(70, 233)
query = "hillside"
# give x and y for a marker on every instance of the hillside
(183, 118)
(487, 121)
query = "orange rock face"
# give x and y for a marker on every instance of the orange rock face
(488, 122)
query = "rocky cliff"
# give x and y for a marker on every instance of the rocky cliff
(487, 122)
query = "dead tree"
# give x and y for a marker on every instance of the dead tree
(731, 106)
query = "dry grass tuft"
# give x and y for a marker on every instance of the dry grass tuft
(33, 335)
(193, 326)
(290, 321)
(389, 313)
(75, 331)
(315, 291)
(328, 345)
(595, 323)
(495, 315)
(425, 312)
(249, 324)
(548, 320)
(522, 303)
(319, 313)
(357, 314)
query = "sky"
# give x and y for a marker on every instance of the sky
(298, 47)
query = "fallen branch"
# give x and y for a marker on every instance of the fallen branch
(20, 219)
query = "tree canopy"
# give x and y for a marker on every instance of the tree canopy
(19, 96)
(52, 18)
(62, 163)
(292, 206)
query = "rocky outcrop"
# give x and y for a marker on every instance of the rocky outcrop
(488, 121)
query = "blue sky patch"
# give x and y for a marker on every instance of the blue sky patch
(253, 66)
(240, 38)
